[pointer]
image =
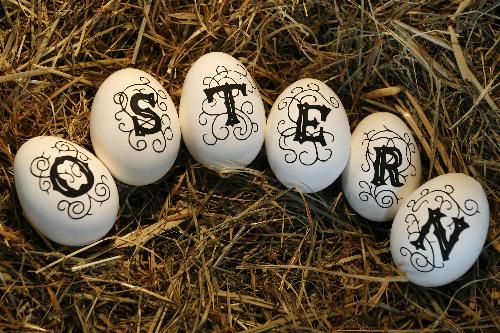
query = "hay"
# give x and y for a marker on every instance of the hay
(198, 251)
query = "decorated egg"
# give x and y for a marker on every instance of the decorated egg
(307, 136)
(134, 127)
(66, 193)
(440, 229)
(383, 168)
(221, 112)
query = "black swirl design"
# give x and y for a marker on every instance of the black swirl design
(143, 115)
(383, 197)
(70, 175)
(39, 168)
(227, 87)
(78, 209)
(441, 206)
(422, 262)
(315, 143)
(374, 140)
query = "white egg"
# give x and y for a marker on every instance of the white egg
(221, 112)
(134, 127)
(383, 168)
(66, 193)
(440, 229)
(307, 136)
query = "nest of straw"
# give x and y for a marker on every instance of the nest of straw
(228, 252)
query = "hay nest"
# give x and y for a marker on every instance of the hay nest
(209, 252)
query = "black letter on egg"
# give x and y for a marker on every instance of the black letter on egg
(233, 87)
(146, 115)
(429, 238)
(445, 245)
(303, 121)
(227, 89)
(382, 164)
(143, 116)
(77, 169)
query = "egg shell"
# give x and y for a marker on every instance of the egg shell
(221, 112)
(440, 229)
(66, 193)
(134, 127)
(383, 168)
(307, 136)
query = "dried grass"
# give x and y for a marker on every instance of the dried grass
(208, 252)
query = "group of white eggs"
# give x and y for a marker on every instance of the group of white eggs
(70, 196)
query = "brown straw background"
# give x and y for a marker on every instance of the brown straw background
(201, 251)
